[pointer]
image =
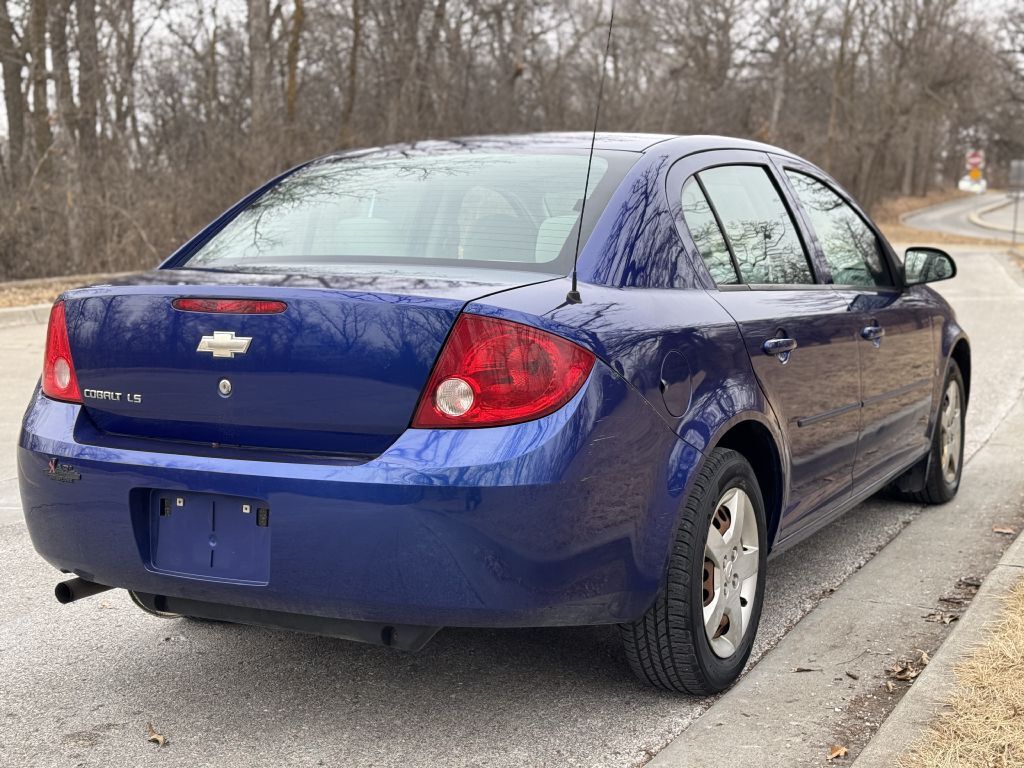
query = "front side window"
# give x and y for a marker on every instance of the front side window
(847, 242)
(758, 226)
(706, 234)
(506, 209)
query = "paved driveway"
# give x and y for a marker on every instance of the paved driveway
(79, 683)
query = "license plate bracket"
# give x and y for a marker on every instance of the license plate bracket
(212, 536)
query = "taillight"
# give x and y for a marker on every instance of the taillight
(493, 372)
(231, 306)
(59, 379)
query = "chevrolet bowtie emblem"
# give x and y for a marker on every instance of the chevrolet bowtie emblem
(224, 344)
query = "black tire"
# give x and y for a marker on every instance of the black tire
(668, 646)
(938, 488)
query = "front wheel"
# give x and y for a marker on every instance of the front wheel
(698, 634)
(947, 454)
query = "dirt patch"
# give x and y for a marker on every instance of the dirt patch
(23, 293)
(984, 724)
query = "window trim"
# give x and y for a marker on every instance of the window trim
(721, 230)
(886, 251)
(691, 166)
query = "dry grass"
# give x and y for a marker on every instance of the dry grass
(23, 293)
(984, 727)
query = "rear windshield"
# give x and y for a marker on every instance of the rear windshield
(508, 210)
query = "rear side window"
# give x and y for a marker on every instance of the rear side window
(707, 235)
(758, 226)
(847, 242)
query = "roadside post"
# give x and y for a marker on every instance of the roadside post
(974, 168)
(1017, 190)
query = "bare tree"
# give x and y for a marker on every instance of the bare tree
(130, 123)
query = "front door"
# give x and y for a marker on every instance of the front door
(896, 344)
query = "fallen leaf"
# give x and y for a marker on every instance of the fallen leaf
(889, 686)
(1005, 530)
(942, 617)
(806, 669)
(906, 670)
(836, 751)
(924, 658)
(953, 600)
(968, 582)
(852, 676)
(157, 738)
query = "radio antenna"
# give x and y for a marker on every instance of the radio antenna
(573, 297)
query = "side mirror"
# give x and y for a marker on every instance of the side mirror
(927, 265)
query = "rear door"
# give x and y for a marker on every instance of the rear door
(797, 330)
(896, 346)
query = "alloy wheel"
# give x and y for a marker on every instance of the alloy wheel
(731, 566)
(951, 435)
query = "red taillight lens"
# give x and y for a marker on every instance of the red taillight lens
(493, 372)
(59, 379)
(231, 306)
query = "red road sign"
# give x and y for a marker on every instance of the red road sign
(975, 158)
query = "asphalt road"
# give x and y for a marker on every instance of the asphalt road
(952, 217)
(79, 683)
(1005, 218)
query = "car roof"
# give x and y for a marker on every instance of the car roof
(604, 140)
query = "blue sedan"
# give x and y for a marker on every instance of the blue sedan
(497, 382)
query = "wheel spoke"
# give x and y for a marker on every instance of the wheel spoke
(713, 615)
(737, 504)
(734, 635)
(716, 549)
(746, 564)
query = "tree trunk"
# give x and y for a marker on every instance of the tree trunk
(351, 86)
(516, 65)
(426, 67)
(88, 83)
(37, 50)
(294, 43)
(259, 67)
(12, 61)
(70, 155)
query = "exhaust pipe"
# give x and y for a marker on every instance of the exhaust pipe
(75, 589)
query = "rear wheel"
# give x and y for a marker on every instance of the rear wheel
(698, 634)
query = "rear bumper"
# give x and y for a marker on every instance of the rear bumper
(565, 520)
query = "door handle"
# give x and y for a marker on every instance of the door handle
(873, 333)
(780, 348)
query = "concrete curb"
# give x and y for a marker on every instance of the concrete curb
(926, 699)
(975, 217)
(13, 317)
(902, 218)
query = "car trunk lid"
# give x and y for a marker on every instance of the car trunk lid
(339, 370)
